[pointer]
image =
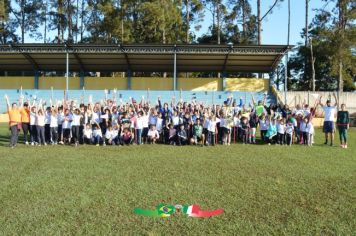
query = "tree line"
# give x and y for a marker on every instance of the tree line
(331, 34)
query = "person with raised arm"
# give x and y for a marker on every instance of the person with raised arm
(14, 121)
(329, 111)
(40, 124)
(25, 120)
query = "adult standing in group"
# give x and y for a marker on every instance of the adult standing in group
(14, 121)
(329, 116)
(342, 122)
(25, 121)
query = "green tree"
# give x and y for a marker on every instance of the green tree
(333, 43)
(193, 13)
(26, 17)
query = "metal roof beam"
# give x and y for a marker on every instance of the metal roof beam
(27, 57)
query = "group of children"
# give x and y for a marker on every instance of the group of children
(177, 123)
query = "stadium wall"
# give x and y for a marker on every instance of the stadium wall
(138, 83)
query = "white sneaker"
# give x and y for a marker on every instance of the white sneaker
(45, 144)
(26, 143)
(32, 144)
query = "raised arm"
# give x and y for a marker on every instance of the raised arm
(336, 101)
(253, 100)
(320, 103)
(264, 99)
(7, 102)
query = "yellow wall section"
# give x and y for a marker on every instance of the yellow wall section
(95, 83)
(58, 83)
(16, 82)
(200, 84)
(152, 83)
(246, 84)
(138, 83)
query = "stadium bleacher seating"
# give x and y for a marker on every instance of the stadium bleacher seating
(208, 97)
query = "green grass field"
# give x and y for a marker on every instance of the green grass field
(93, 190)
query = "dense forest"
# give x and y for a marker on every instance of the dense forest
(326, 60)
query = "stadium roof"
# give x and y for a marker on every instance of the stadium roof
(141, 58)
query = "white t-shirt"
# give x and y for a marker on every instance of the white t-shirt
(54, 121)
(60, 118)
(236, 121)
(32, 118)
(212, 125)
(309, 128)
(76, 119)
(289, 129)
(175, 120)
(139, 123)
(145, 121)
(329, 113)
(97, 132)
(40, 120)
(281, 128)
(96, 118)
(153, 133)
(109, 134)
(88, 133)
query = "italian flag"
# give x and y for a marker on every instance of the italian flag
(194, 211)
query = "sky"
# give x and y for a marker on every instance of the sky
(275, 25)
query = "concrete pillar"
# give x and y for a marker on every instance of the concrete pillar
(37, 76)
(129, 79)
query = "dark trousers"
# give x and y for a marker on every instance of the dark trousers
(211, 138)
(26, 130)
(289, 139)
(41, 134)
(33, 133)
(75, 133)
(87, 140)
(280, 138)
(54, 134)
(181, 141)
(97, 140)
(66, 136)
(81, 134)
(60, 133)
(14, 135)
(47, 130)
(244, 136)
(263, 135)
(305, 138)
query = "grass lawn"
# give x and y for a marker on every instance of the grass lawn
(93, 190)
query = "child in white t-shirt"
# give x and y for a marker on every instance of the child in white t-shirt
(309, 129)
(212, 121)
(110, 136)
(281, 129)
(289, 132)
(153, 135)
(88, 134)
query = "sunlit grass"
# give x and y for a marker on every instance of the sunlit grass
(93, 190)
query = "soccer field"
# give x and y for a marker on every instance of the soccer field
(93, 190)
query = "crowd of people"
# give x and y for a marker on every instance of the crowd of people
(176, 123)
